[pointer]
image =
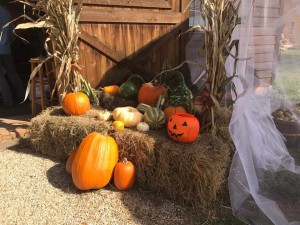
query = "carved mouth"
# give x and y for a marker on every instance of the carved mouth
(174, 134)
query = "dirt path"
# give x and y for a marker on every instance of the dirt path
(37, 190)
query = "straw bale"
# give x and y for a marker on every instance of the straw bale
(54, 134)
(193, 174)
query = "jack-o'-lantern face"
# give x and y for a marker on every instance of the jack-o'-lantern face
(183, 127)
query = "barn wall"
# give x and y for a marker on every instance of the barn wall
(266, 40)
(119, 38)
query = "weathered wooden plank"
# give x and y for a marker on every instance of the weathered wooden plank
(263, 49)
(90, 61)
(265, 57)
(269, 4)
(264, 31)
(185, 9)
(266, 13)
(264, 66)
(264, 40)
(175, 5)
(158, 4)
(262, 74)
(130, 36)
(264, 22)
(125, 16)
(114, 55)
(164, 37)
(269, 12)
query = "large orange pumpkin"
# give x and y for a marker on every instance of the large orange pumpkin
(70, 161)
(171, 110)
(148, 93)
(94, 162)
(124, 175)
(76, 103)
(183, 127)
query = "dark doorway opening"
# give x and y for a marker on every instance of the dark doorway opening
(27, 44)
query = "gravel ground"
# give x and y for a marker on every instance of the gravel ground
(36, 190)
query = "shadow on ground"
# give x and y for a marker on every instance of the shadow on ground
(146, 207)
(23, 146)
(17, 110)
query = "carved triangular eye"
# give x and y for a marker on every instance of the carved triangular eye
(171, 119)
(184, 124)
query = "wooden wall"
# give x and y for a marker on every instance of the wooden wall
(292, 33)
(120, 37)
(266, 40)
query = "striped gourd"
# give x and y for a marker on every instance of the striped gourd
(155, 118)
(142, 107)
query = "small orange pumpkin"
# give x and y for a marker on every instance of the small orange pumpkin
(149, 93)
(76, 103)
(94, 162)
(70, 161)
(183, 127)
(124, 175)
(112, 89)
(171, 110)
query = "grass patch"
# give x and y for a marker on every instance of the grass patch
(287, 82)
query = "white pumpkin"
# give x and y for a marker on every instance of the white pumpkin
(128, 115)
(104, 115)
(142, 126)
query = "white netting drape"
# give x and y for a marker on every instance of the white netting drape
(264, 180)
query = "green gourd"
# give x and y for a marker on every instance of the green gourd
(178, 93)
(130, 88)
(85, 92)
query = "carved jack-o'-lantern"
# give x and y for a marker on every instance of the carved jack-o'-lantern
(183, 127)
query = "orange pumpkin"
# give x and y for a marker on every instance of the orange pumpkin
(94, 162)
(183, 127)
(70, 161)
(148, 93)
(171, 110)
(112, 89)
(76, 103)
(124, 175)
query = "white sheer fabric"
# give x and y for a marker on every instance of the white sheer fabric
(264, 180)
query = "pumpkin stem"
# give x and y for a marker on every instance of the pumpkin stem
(76, 90)
(125, 160)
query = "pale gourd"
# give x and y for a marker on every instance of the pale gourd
(143, 127)
(128, 115)
(104, 115)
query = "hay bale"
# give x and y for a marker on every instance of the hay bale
(193, 174)
(54, 134)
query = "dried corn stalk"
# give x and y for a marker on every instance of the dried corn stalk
(221, 18)
(60, 18)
